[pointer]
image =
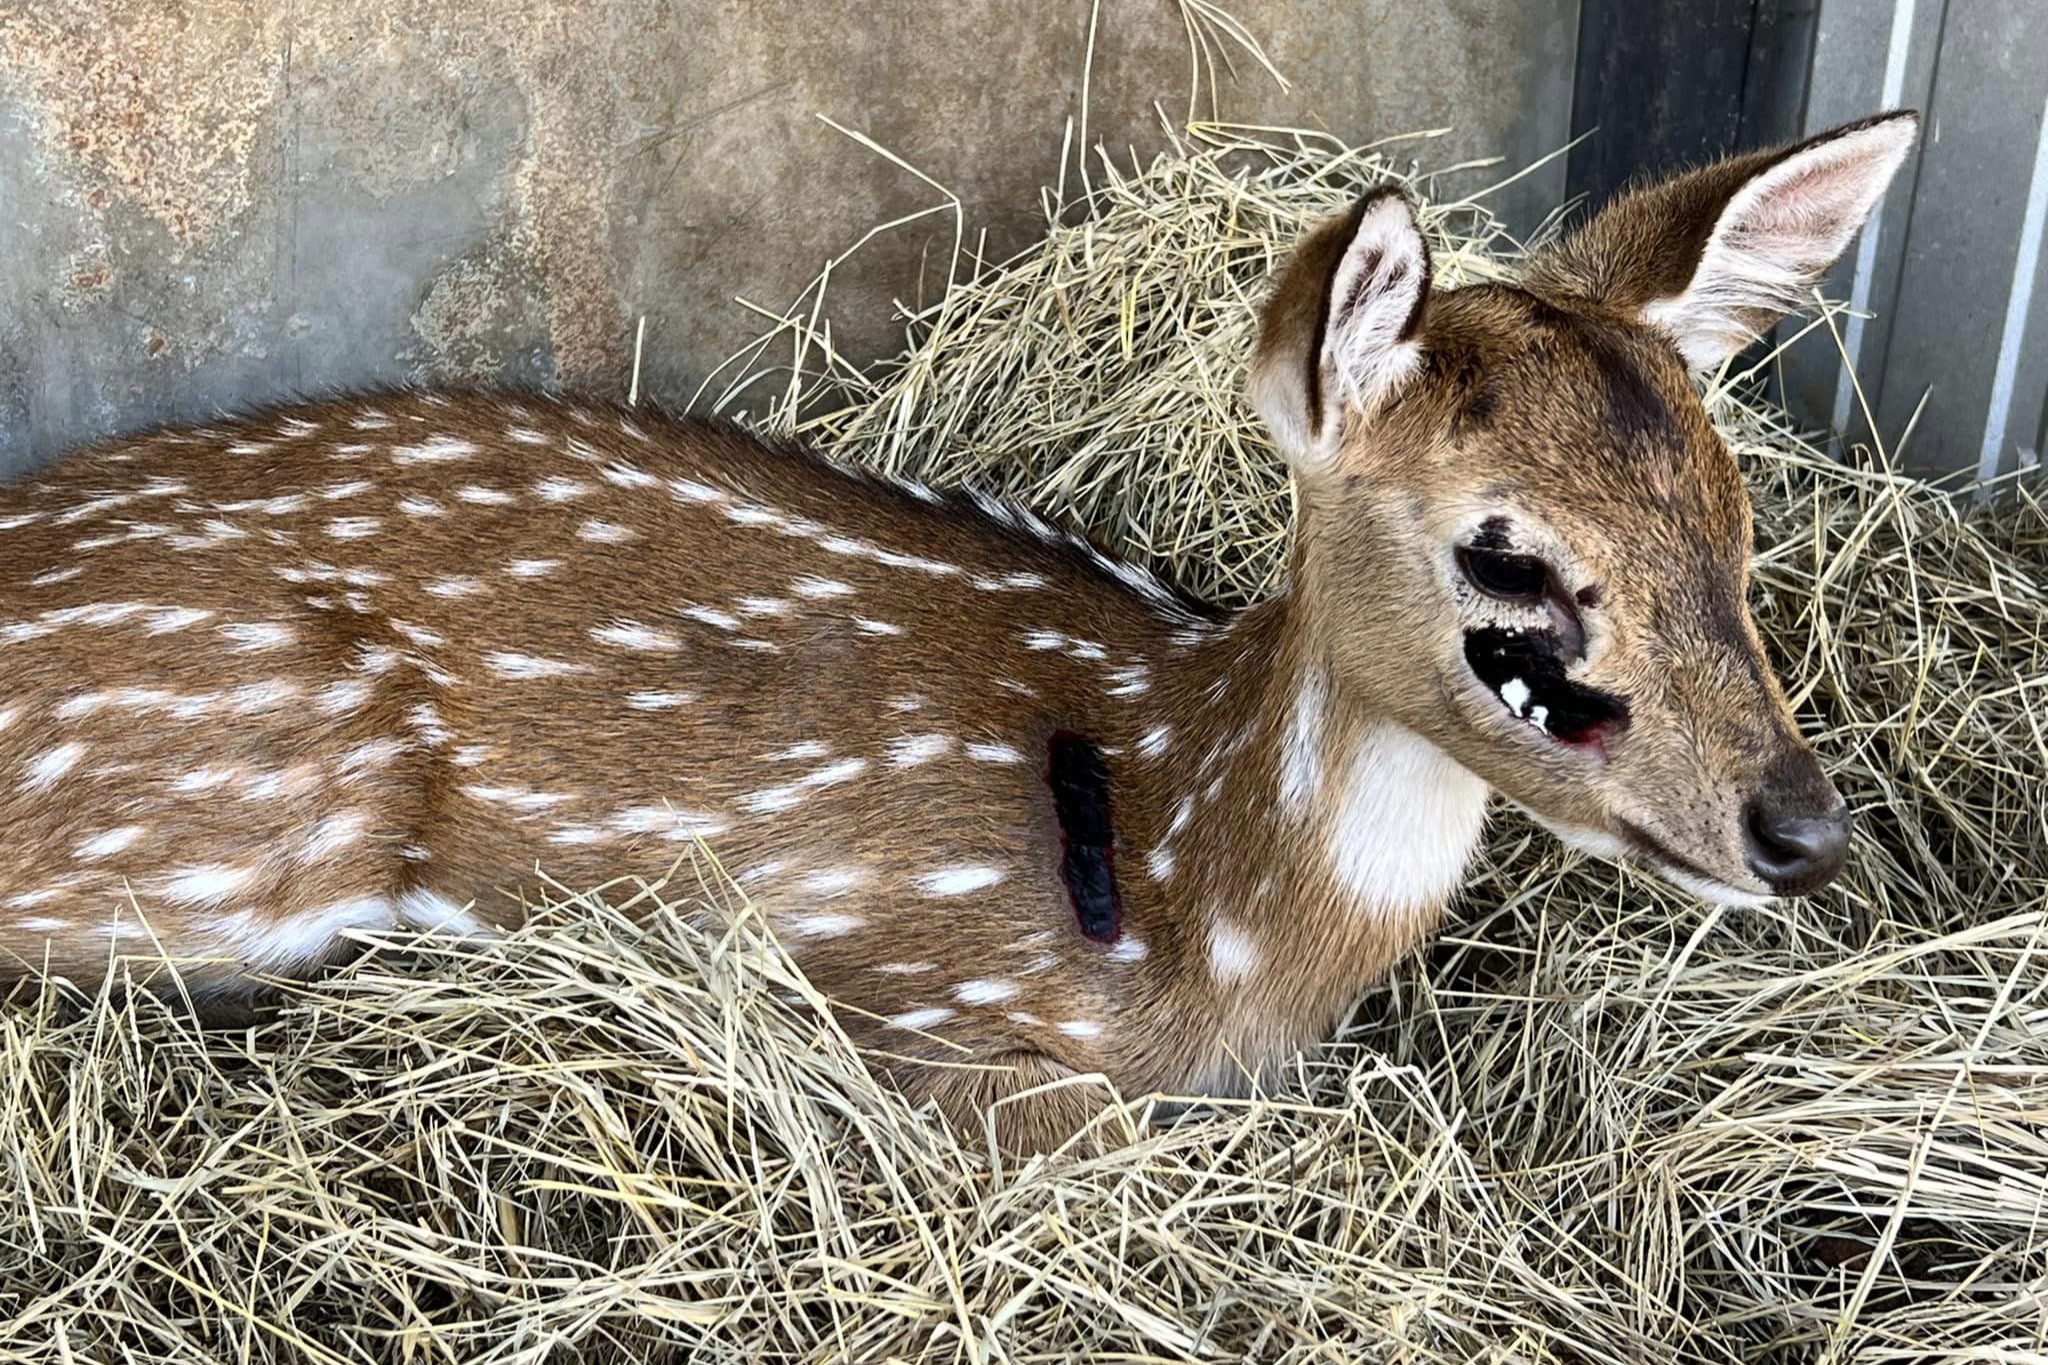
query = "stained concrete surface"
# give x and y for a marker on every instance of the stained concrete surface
(208, 204)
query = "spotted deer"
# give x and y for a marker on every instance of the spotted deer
(384, 661)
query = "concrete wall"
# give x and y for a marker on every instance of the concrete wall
(206, 204)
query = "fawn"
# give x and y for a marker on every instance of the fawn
(381, 660)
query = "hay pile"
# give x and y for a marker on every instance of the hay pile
(1596, 1123)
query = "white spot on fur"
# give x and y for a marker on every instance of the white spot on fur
(1160, 863)
(809, 585)
(511, 664)
(209, 884)
(763, 606)
(353, 528)
(712, 616)
(433, 450)
(331, 834)
(252, 636)
(632, 635)
(1081, 1028)
(908, 751)
(1130, 682)
(1129, 948)
(557, 488)
(519, 798)
(426, 722)
(108, 844)
(832, 774)
(922, 1019)
(339, 697)
(868, 626)
(532, 568)
(1154, 743)
(44, 580)
(994, 753)
(1301, 752)
(605, 532)
(907, 968)
(1044, 639)
(809, 748)
(676, 826)
(623, 475)
(250, 698)
(833, 881)
(1233, 956)
(746, 514)
(773, 799)
(371, 753)
(203, 779)
(689, 490)
(659, 701)
(823, 924)
(985, 992)
(46, 769)
(960, 881)
(413, 505)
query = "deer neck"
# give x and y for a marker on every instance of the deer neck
(1308, 838)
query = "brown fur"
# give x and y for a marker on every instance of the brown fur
(794, 661)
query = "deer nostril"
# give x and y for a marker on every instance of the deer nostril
(1796, 852)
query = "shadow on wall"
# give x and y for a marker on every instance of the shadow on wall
(211, 205)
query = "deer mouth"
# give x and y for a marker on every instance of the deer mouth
(1636, 846)
(1658, 857)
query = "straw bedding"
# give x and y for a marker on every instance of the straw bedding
(1594, 1122)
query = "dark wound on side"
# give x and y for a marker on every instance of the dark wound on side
(1080, 794)
(1573, 712)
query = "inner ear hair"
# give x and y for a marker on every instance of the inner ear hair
(1714, 257)
(1341, 329)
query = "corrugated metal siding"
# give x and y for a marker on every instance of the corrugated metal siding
(1953, 267)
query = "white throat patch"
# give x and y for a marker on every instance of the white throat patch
(1406, 817)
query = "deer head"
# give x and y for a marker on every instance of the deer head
(1521, 537)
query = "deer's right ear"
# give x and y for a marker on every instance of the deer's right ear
(1341, 328)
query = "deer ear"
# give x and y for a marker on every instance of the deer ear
(1340, 329)
(1715, 257)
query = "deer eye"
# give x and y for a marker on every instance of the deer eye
(1511, 578)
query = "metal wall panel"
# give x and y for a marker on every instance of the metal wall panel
(1952, 269)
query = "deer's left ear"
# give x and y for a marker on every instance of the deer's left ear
(1340, 329)
(1715, 257)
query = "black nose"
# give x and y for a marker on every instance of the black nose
(1794, 849)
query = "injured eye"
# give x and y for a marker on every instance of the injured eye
(1509, 577)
